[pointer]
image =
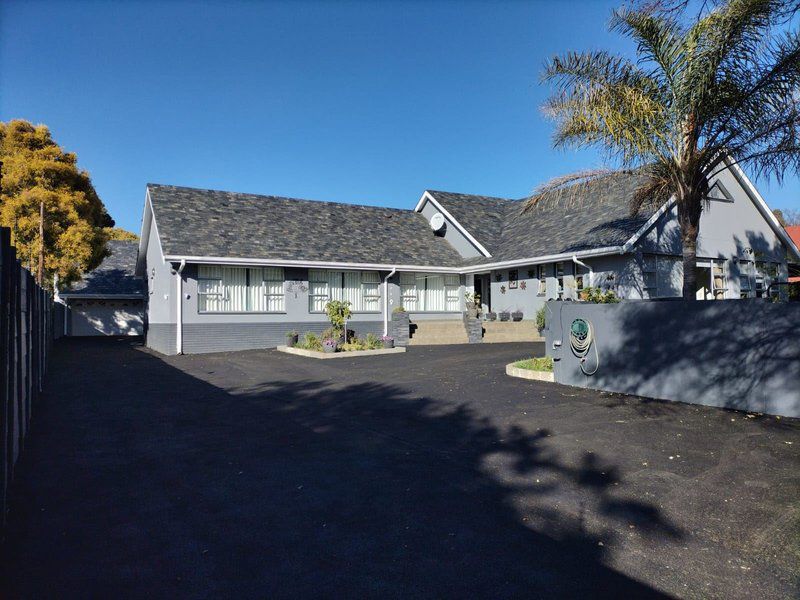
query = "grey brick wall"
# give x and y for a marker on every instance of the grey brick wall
(200, 338)
(400, 328)
(161, 337)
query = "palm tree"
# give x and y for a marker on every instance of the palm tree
(703, 94)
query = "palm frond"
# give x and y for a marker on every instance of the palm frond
(565, 189)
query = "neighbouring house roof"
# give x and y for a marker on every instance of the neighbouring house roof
(794, 233)
(207, 223)
(115, 275)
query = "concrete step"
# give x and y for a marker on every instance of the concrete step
(429, 333)
(498, 332)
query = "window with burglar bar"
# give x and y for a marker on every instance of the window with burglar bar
(240, 290)
(360, 288)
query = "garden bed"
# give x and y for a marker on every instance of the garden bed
(537, 369)
(348, 354)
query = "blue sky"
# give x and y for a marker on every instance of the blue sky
(353, 102)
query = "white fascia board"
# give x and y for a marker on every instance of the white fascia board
(762, 206)
(273, 262)
(429, 197)
(626, 247)
(538, 260)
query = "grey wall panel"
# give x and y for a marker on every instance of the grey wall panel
(454, 237)
(742, 354)
(161, 337)
(160, 284)
(224, 337)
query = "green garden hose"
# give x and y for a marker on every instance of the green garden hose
(581, 340)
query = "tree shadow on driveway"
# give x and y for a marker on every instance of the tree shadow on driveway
(143, 480)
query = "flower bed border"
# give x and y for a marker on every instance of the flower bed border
(529, 373)
(327, 355)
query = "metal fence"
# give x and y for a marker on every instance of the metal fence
(27, 315)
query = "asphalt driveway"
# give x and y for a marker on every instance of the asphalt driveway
(427, 474)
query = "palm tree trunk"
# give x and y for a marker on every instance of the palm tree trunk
(689, 210)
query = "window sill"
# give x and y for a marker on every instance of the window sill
(208, 312)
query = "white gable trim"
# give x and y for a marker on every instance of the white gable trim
(144, 236)
(626, 247)
(427, 196)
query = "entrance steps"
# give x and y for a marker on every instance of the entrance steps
(431, 333)
(496, 332)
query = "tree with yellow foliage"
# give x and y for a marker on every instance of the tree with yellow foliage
(38, 174)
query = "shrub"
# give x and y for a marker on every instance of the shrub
(338, 312)
(398, 309)
(310, 342)
(537, 363)
(540, 318)
(598, 296)
(353, 345)
(373, 342)
(291, 333)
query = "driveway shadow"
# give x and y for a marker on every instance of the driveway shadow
(142, 480)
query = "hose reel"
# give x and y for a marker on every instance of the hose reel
(581, 340)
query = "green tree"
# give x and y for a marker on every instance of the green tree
(705, 89)
(38, 174)
(118, 233)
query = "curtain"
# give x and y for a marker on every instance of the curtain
(239, 289)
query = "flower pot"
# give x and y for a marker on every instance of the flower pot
(291, 340)
(388, 343)
(504, 316)
(517, 316)
(492, 316)
(328, 349)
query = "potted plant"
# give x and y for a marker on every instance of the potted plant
(492, 316)
(292, 337)
(516, 315)
(329, 345)
(388, 341)
(473, 304)
(505, 315)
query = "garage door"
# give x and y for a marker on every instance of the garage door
(107, 317)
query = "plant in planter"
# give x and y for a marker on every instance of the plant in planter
(540, 319)
(329, 345)
(338, 312)
(292, 337)
(473, 304)
(505, 315)
(516, 315)
(388, 341)
(398, 309)
(492, 316)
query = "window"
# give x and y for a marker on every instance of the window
(540, 275)
(719, 280)
(745, 279)
(360, 288)
(559, 274)
(430, 292)
(650, 276)
(766, 273)
(238, 289)
(661, 276)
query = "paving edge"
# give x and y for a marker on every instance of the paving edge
(327, 355)
(529, 374)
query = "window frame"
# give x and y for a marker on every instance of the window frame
(224, 295)
(341, 274)
(542, 280)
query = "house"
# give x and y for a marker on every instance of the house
(110, 300)
(229, 271)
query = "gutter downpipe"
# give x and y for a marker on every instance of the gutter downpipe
(386, 301)
(584, 265)
(179, 307)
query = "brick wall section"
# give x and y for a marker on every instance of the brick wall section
(400, 328)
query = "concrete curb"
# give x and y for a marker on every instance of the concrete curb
(529, 374)
(325, 356)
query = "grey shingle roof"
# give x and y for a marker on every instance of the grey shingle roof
(114, 276)
(198, 222)
(483, 216)
(595, 217)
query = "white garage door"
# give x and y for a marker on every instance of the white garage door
(107, 317)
